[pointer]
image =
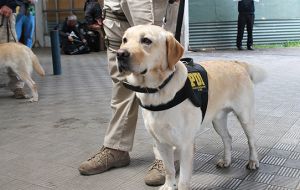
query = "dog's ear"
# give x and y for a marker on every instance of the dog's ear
(174, 50)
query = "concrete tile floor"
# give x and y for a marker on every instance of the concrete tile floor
(42, 144)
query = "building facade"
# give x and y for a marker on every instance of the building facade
(207, 23)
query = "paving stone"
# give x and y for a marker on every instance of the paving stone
(286, 182)
(260, 177)
(273, 160)
(273, 187)
(251, 185)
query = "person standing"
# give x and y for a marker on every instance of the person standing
(8, 34)
(246, 18)
(25, 21)
(119, 15)
(93, 18)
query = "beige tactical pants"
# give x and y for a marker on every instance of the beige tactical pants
(120, 15)
(8, 34)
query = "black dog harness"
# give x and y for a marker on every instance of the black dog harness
(195, 89)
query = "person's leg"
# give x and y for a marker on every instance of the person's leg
(16, 85)
(250, 22)
(120, 132)
(29, 25)
(19, 25)
(240, 31)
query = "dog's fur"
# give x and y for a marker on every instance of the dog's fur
(148, 55)
(21, 60)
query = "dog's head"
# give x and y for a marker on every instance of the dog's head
(147, 49)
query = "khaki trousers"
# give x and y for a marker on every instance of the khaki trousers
(9, 26)
(124, 104)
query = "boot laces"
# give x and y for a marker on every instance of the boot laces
(158, 165)
(102, 156)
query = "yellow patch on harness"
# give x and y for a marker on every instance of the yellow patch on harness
(196, 81)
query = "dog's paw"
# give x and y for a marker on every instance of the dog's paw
(223, 163)
(168, 187)
(252, 165)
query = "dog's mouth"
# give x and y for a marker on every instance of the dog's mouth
(126, 69)
(123, 67)
(144, 72)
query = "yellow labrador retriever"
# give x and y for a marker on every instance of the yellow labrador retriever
(21, 60)
(149, 58)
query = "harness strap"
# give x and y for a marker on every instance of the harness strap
(180, 96)
(179, 20)
(148, 90)
(7, 31)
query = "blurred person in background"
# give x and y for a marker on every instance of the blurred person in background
(246, 18)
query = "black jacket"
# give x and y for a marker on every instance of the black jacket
(10, 3)
(92, 11)
(246, 6)
(66, 30)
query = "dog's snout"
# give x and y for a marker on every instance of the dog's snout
(123, 54)
(123, 59)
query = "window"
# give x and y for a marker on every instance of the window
(55, 12)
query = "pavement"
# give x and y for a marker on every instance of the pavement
(42, 144)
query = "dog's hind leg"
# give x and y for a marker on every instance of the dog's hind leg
(167, 154)
(220, 125)
(31, 84)
(246, 118)
(186, 165)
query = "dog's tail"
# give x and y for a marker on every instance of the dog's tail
(256, 73)
(36, 64)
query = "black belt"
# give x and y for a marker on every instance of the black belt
(114, 15)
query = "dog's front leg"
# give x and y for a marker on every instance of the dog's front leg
(186, 166)
(167, 155)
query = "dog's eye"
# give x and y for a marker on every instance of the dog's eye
(146, 41)
(124, 40)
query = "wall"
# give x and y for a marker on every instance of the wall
(213, 23)
(226, 10)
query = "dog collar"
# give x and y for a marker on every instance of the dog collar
(145, 89)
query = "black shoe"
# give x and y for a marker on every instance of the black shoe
(250, 48)
(240, 48)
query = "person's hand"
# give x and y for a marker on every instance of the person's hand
(5, 11)
(99, 22)
(84, 41)
(95, 26)
(70, 38)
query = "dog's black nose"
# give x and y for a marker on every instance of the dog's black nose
(123, 58)
(122, 54)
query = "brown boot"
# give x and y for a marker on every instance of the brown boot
(104, 160)
(20, 94)
(156, 173)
